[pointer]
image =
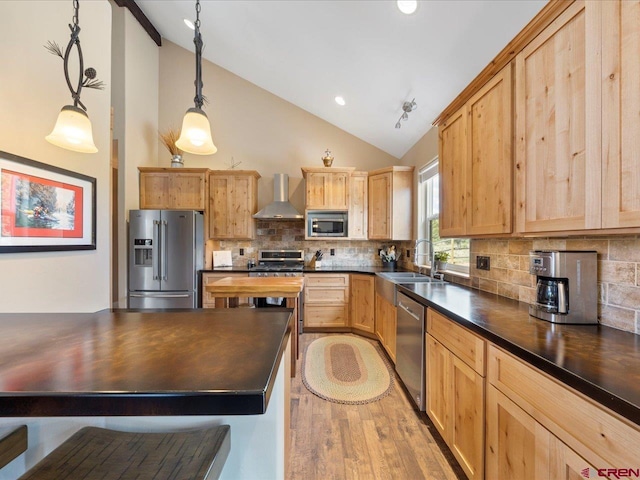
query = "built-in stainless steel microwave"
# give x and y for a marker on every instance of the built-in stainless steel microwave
(327, 224)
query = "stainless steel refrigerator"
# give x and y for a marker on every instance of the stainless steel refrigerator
(166, 250)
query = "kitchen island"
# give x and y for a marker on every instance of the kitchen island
(289, 288)
(150, 371)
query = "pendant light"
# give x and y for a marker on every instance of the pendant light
(195, 136)
(73, 127)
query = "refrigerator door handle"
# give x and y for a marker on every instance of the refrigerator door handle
(161, 295)
(155, 250)
(165, 250)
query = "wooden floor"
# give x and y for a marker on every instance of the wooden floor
(386, 439)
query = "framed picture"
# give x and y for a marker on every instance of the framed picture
(45, 208)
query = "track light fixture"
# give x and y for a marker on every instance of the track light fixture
(195, 136)
(407, 107)
(73, 127)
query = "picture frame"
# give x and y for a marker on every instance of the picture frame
(45, 208)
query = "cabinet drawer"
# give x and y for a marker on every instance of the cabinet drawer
(461, 342)
(326, 280)
(326, 315)
(595, 433)
(326, 295)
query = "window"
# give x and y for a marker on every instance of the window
(428, 215)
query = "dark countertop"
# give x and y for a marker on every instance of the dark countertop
(126, 362)
(372, 270)
(601, 362)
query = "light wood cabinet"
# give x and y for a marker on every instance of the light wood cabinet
(358, 206)
(326, 300)
(558, 124)
(533, 419)
(391, 203)
(327, 188)
(211, 302)
(233, 199)
(455, 390)
(517, 445)
(172, 188)
(620, 113)
(362, 302)
(452, 168)
(475, 163)
(386, 324)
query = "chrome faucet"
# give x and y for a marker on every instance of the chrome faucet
(430, 254)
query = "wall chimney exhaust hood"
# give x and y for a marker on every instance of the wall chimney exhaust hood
(280, 208)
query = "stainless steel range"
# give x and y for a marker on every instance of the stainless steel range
(279, 263)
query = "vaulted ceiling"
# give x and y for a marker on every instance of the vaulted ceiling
(309, 51)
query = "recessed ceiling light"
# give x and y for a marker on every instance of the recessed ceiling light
(189, 24)
(340, 101)
(407, 6)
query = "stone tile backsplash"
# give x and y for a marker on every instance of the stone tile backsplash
(618, 265)
(289, 234)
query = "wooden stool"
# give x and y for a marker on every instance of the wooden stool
(97, 453)
(13, 442)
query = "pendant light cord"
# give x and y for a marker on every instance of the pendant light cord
(197, 40)
(75, 41)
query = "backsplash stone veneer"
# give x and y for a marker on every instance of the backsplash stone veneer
(289, 234)
(618, 264)
(618, 267)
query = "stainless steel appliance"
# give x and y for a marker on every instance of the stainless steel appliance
(410, 348)
(280, 208)
(566, 286)
(166, 250)
(327, 224)
(279, 263)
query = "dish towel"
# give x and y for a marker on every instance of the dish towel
(274, 300)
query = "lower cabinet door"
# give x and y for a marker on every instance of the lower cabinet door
(467, 411)
(566, 464)
(438, 386)
(517, 445)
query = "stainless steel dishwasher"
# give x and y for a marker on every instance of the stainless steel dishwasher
(410, 348)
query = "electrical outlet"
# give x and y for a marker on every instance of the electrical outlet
(242, 252)
(332, 252)
(483, 263)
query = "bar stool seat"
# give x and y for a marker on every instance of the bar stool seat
(97, 453)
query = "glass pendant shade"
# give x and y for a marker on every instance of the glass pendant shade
(73, 131)
(195, 136)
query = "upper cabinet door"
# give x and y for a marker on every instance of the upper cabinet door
(380, 206)
(233, 199)
(621, 113)
(452, 166)
(490, 164)
(558, 124)
(327, 190)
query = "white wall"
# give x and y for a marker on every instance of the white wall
(32, 92)
(136, 74)
(251, 125)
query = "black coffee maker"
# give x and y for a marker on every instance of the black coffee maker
(566, 286)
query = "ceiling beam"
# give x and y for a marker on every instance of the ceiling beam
(142, 19)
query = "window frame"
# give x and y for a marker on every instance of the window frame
(425, 215)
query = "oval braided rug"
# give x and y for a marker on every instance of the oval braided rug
(346, 369)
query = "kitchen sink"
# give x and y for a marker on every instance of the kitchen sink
(408, 277)
(386, 283)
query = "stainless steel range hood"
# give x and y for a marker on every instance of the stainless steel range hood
(280, 208)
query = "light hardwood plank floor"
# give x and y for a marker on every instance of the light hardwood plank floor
(386, 439)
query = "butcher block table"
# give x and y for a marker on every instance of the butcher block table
(287, 287)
